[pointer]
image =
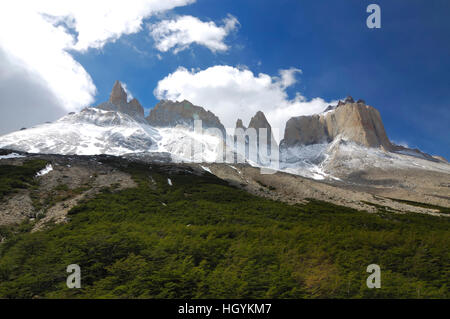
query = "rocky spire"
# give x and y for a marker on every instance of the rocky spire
(259, 121)
(239, 124)
(118, 102)
(118, 95)
(135, 107)
(349, 99)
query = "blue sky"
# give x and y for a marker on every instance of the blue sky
(401, 69)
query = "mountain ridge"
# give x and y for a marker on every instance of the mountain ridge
(354, 121)
(170, 114)
(118, 127)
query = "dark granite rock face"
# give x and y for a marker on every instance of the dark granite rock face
(348, 100)
(239, 124)
(259, 121)
(170, 114)
(251, 140)
(118, 95)
(118, 102)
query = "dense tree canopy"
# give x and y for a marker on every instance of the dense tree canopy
(202, 238)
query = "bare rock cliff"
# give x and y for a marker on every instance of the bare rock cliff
(350, 120)
(170, 114)
(118, 101)
(259, 121)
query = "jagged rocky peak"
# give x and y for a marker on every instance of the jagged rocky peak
(118, 95)
(349, 120)
(330, 108)
(349, 99)
(239, 124)
(118, 102)
(259, 121)
(251, 141)
(170, 114)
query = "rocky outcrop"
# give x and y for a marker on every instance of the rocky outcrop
(417, 153)
(305, 130)
(259, 121)
(250, 138)
(118, 95)
(118, 102)
(350, 120)
(239, 124)
(170, 114)
(239, 129)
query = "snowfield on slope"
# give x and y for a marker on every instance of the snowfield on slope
(89, 132)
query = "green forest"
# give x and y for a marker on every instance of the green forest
(203, 238)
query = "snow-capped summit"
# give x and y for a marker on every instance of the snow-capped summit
(118, 127)
(89, 132)
(318, 146)
(344, 138)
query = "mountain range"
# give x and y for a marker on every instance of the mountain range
(118, 127)
(345, 146)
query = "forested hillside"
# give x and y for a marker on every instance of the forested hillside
(194, 236)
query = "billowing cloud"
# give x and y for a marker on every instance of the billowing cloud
(100, 21)
(178, 34)
(37, 38)
(287, 77)
(233, 93)
(25, 99)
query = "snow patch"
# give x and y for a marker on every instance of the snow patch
(169, 181)
(206, 168)
(188, 146)
(11, 155)
(240, 173)
(45, 170)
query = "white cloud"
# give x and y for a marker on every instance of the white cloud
(25, 99)
(31, 42)
(178, 34)
(288, 77)
(100, 21)
(127, 91)
(233, 93)
(36, 38)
